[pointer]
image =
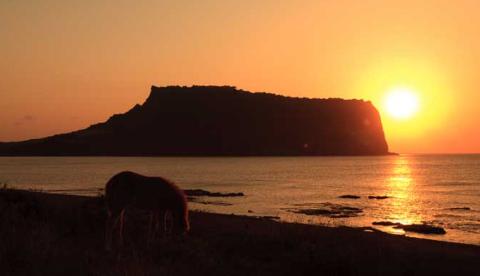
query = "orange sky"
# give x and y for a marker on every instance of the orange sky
(65, 66)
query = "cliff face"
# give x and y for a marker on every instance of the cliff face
(213, 120)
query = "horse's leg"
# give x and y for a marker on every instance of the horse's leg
(168, 222)
(122, 224)
(159, 226)
(111, 226)
(109, 231)
(157, 222)
(165, 230)
(150, 228)
(153, 226)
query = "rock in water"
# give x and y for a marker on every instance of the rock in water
(423, 229)
(349, 196)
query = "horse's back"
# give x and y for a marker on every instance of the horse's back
(132, 189)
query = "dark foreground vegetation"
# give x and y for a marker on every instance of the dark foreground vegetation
(48, 234)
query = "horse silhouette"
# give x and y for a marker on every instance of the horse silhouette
(158, 196)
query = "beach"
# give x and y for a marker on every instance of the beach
(375, 191)
(63, 234)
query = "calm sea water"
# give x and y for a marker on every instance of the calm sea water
(443, 190)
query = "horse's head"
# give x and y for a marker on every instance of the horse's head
(182, 226)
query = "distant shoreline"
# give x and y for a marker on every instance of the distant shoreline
(200, 156)
(227, 156)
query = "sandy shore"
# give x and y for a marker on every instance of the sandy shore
(53, 234)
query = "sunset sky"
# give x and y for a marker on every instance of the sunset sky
(67, 64)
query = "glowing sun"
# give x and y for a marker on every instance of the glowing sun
(401, 103)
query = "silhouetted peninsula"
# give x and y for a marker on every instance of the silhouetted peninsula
(222, 121)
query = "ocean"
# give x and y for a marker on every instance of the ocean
(441, 190)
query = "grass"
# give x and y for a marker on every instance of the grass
(45, 234)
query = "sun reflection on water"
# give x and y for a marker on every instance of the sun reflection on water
(401, 187)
